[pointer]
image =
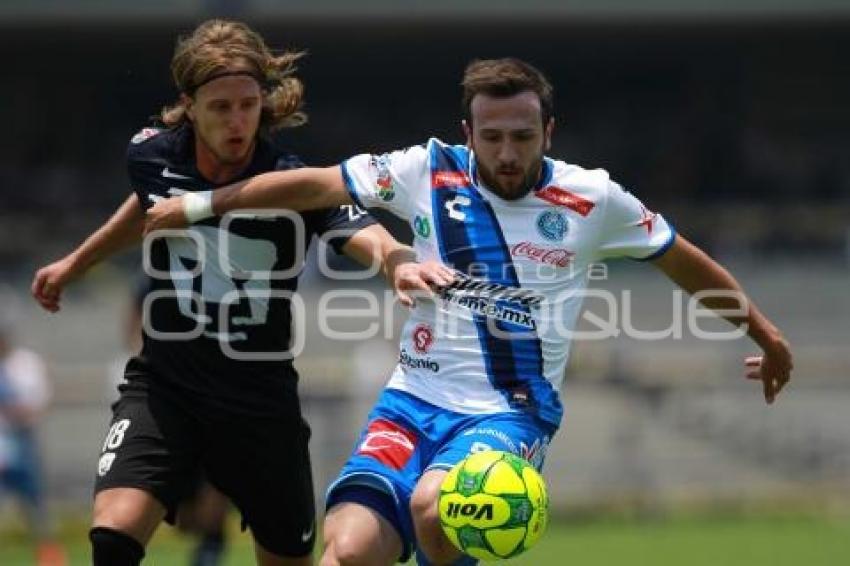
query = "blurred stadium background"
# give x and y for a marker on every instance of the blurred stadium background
(731, 118)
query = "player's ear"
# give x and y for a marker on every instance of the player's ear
(467, 131)
(187, 103)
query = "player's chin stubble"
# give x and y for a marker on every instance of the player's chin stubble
(511, 193)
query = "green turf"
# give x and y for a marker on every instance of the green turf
(691, 542)
(728, 542)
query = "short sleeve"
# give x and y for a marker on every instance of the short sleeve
(140, 167)
(337, 225)
(386, 180)
(136, 173)
(631, 230)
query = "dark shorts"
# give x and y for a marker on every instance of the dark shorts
(157, 443)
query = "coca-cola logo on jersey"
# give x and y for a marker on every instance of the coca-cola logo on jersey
(558, 257)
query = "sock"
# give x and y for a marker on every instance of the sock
(114, 548)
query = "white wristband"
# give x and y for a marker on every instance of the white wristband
(197, 206)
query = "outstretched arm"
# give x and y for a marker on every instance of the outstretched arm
(122, 231)
(693, 270)
(308, 188)
(409, 279)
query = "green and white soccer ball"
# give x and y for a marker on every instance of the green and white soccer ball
(493, 505)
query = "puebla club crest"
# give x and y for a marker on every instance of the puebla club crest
(552, 225)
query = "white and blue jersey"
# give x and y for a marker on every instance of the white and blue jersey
(497, 340)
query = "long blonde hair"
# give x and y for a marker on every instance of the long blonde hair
(220, 47)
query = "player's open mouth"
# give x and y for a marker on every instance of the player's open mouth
(235, 141)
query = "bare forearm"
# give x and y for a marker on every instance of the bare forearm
(298, 189)
(695, 272)
(375, 246)
(122, 231)
(396, 256)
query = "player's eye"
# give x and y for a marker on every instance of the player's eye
(250, 104)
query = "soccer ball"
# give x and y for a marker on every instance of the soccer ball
(493, 505)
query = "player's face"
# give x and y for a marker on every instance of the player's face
(509, 139)
(226, 115)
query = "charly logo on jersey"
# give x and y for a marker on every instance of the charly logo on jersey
(558, 257)
(423, 338)
(454, 207)
(422, 226)
(552, 225)
(383, 178)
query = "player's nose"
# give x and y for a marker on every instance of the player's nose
(507, 154)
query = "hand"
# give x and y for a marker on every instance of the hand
(50, 280)
(773, 369)
(166, 214)
(411, 279)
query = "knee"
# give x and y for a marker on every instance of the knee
(424, 506)
(345, 549)
(129, 511)
(434, 546)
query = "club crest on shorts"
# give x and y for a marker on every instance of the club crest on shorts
(105, 463)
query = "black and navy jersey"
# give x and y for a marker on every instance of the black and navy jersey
(218, 318)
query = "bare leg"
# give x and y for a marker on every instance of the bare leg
(132, 511)
(426, 519)
(356, 535)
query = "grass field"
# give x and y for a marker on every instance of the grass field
(691, 542)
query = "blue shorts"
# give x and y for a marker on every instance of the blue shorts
(405, 436)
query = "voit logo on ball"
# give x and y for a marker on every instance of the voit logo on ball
(552, 225)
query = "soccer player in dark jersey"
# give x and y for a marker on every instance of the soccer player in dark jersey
(214, 388)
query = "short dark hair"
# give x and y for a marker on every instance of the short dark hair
(502, 78)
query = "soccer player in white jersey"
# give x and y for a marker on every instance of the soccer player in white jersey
(480, 367)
